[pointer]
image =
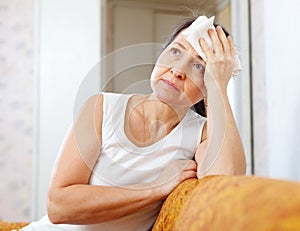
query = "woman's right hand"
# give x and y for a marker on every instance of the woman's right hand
(220, 59)
(177, 172)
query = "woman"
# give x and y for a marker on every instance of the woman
(126, 153)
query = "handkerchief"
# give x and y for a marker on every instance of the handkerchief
(199, 29)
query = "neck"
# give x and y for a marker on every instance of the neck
(159, 110)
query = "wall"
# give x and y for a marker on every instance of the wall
(69, 35)
(260, 125)
(275, 40)
(223, 14)
(47, 51)
(17, 103)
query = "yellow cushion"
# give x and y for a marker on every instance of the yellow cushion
(173, 205)
(232, 203)
(8, 226)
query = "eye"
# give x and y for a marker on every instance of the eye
(175, 51)
(199, 66)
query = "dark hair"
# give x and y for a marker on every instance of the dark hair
(200, 106)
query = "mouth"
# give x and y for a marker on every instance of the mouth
(170, 84)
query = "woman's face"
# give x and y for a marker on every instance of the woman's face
(178, 76)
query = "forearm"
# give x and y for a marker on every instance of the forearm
(224, 153)
(88, 204)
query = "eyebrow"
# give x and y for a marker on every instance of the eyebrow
(179, 44)
(183, 47)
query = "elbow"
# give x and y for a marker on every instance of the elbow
(54, 213)
(236, 167)
(231, 167)
(55, 210)
(243, 169)
(241, 165)
(236, 164)
(54, 218)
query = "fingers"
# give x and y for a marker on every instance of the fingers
(192, 165)
(189, 170)
(222, 37)
(231, 45)
(220, 43)
(206, 48)
(188, 174)
(216, 42)
(185, 165)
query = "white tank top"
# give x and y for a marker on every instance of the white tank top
(122, 163)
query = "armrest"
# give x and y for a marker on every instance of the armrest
(232, 203)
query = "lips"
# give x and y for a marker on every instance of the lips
(170, 84)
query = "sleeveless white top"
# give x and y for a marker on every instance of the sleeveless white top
(122, 163)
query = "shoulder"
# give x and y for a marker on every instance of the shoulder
(204, 132)
(93, 103)
(111, 98)
(192, 116)
(203, 124)
(90, 114)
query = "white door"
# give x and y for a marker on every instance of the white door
(137, 37)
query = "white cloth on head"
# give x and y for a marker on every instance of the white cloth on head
(199, 29)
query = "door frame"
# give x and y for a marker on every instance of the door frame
(242, 87)
(241, 98)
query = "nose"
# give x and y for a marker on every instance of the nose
(178, 74)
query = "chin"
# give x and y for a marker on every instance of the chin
(171, 99)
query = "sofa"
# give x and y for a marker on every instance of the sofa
(9, 226)
(226, 203)
(231, 203)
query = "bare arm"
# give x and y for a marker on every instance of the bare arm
(222, 151)
(72, 200)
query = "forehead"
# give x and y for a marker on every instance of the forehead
(181, 38)
(185, 45)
